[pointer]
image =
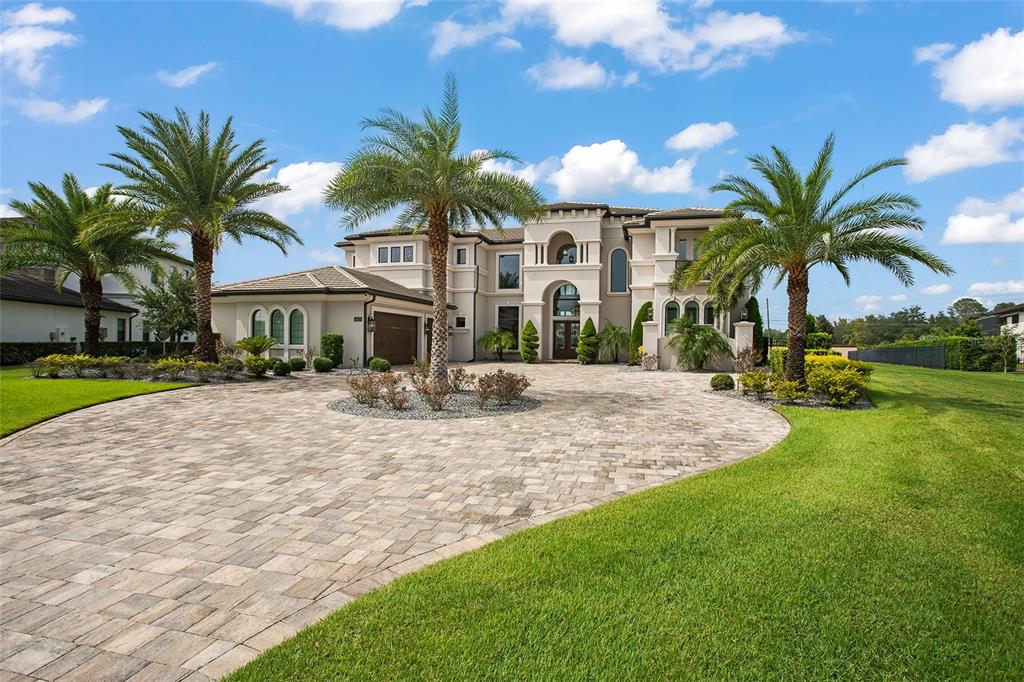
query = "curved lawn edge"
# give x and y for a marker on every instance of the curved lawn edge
(849, 548)
(7, 436)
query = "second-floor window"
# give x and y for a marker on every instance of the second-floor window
(566, 255)
(508, 271)
(682, 253)
(460, 256)
(395, 254)
(618, 271)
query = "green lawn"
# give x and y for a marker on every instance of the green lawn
(873, 544)
(24, 402)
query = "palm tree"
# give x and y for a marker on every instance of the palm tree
(791, 226)
(612, 341)
(498, 341)
(695, 344)
(54, 234)
(181, 179)
(415, 167)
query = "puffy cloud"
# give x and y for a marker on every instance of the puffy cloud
(642, 30)
(897, 298)
(964, 145)
(8, 212)
(27, 39)
(187, 76)
(701, 136)
(306, 182)
(347, 15)
(57, 112)
(567, 73)
(506, 43)
(987, 222)
(531, 172)
(1013, 286)
(936, 289)
(988, 73)
(868, 302)
(609, 167)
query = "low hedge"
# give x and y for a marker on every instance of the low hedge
(777, 356)
(22, 353)
(56, 366)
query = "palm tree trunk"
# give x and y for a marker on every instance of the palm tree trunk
(92, 297)
(437, 240)
(797, 288)
(202, 254)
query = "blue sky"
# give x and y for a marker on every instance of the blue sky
(642, 104)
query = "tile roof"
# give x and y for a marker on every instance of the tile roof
(33, 287)
(507, 235)
(328, 279)
(696, 212)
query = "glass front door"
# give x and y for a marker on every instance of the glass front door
(567, 334)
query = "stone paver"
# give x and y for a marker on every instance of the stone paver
(178, 534)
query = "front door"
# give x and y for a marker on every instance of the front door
(566, 336)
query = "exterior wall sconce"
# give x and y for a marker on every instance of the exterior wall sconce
(371, 324)
(451, 331)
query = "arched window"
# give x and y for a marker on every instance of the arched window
(258, 324)
(692, 311)
(671, 314)
(618, 270)
(709, 313)
(296, 327)
(277, 326)
(566, 255)
(566, 302)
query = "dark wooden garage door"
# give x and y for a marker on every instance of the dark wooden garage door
(395, 338)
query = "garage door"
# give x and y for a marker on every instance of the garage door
(395, 338)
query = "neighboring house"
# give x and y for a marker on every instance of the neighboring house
(581, 260)
(1008, 318)
(32, 310)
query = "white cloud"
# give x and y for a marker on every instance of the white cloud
(987, 222)
(57, 112)
(1013, 286)
(868, 302)
(988, 73)
(26, 39)
(936, 289)
(347, 15)
(897, 298)
(531, 172)
(701, 136)
(567, 73)
(187, 76)
(306, 182)
(609, 167)
(963, 145)
(643, 30)
(506, 43)
(8, 212)
(332, 257)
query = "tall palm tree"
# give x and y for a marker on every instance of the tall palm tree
(55, 234)
(791, 226)
(415, 167)
(182, 179)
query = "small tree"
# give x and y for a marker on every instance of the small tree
(498, 341)
(332, 345)
(529, 342)
(586, 345)
(695, 344)
(754, 315)
(636, 338)
(1007, 344)
(612, 342)
(169, 306)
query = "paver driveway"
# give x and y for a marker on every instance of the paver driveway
(175, 535)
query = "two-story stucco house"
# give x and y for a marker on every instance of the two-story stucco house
(582, 260)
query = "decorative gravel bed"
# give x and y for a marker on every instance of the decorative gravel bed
(461, 406)
(863, 403)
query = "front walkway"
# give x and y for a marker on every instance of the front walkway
(176, 535)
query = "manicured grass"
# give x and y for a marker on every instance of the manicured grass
(24, 402)
(886, 543)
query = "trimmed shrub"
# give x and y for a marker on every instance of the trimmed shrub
(841, 386)
(436, 394)
(722, 382)
(391, 390)
(636, 336)
(332, 346)
(24, 353)
(365, 388)
(322, 365)
(819, 341)
(460, 379)
(586, 345)
(754, 382)
(504, 387)
(786, 391)
(837, 362)
(256, 365)
(281, 369)
(529, 342)
(777, 357)
(170, 366)
(230, 364)
(297, 364)
(379, 365)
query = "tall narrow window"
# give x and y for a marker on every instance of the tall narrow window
(407, 254)
(709, 313)
(681, 251)
(508, 318)
(460, 256)
(259, 324)
(692, 311)
(618, 270)
(382, 254)
(396, 254)
(122, 329)
(296, 327)
(277, 326)
(508, 271)
(671, 314)
(566, 302)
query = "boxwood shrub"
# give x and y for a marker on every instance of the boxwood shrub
(282, 368)
(379, 364)
(297, 364)
(322, 365)
(722, 382)
(332, 345)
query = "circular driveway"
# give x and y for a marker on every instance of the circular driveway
(181, 533)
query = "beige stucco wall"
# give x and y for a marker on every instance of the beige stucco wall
(33, 322)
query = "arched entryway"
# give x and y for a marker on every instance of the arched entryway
(565, 321)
